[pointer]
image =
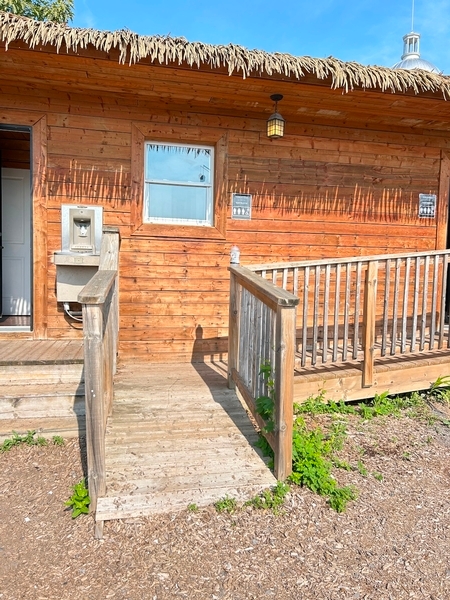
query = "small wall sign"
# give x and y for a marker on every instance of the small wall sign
(241, 206)
(427, 206)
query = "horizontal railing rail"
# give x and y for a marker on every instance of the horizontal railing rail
(262, 332)
(280, 266)
(100, 304)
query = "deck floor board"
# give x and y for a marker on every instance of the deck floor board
(177, 436)
(17, 352)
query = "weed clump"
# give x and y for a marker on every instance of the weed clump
(29, 439)
(312, 462)
(270, 499)
(80, 500)
(314, 451)
(226, 504)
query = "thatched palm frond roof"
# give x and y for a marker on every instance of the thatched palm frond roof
(236, 59)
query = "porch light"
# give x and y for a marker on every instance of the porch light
(275, 123)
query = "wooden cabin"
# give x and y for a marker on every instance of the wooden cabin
(80, 110)
(170, 139)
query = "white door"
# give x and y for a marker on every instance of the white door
(16, 242)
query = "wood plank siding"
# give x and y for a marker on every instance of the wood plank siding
(344, 181)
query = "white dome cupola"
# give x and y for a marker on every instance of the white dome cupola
(411, 55)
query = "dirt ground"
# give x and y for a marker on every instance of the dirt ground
(392, 543)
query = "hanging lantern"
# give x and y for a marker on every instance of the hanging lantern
(275, 123)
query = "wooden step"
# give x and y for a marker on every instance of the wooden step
(66, 427)
(41, 387)
(188, 471)
(33, 373)
(41, 400)
(175, 436)
(197, 476)
(143, 505)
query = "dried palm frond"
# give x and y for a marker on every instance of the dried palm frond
(166, 50)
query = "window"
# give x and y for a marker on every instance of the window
(170, 195)
(178, 184)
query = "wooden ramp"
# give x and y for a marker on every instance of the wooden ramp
(177, 436)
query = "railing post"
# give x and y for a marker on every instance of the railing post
(370, 293)
(99, 300)
(115, 323)
(109, 260)
(95, 413)
(284, 389)
(109, 351)
(233, 320)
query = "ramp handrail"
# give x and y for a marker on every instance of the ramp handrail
(261, 330)
(100, 304)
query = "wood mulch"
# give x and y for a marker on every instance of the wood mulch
(392, 543)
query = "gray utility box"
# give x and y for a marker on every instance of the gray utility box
(77, 262)
(73, 273)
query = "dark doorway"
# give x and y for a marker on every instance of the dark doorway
(16, 229)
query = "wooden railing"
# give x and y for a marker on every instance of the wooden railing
(100, 303)
(309, 314)
(357, 309)
(261, 330)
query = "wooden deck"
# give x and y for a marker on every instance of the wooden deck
(393, 374)
(177, 436)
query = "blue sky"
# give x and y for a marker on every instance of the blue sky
(366, 31)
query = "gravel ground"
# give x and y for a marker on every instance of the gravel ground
(392, 543)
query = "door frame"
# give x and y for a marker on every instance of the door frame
(36, 124)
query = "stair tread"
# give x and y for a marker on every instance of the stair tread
(67, 427)
(33, 389)
(50, 362)
(140, 505)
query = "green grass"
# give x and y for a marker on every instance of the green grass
(362, 470)
(29, 439)
(318, 405)
(381, 405)
(440, 388)
(341, 464)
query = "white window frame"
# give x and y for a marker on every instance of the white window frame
(209, 221)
